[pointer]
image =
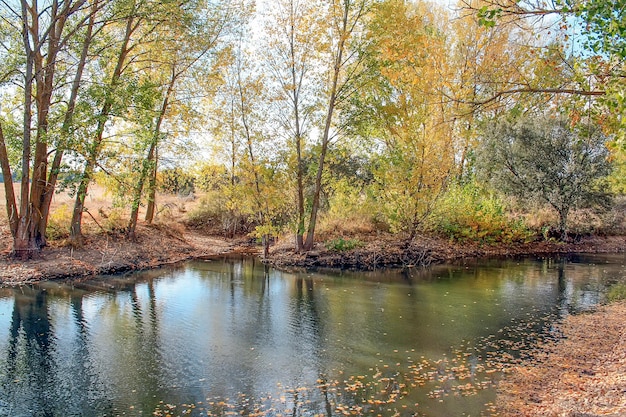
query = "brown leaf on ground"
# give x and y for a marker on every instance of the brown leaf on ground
(155, 245)
(583, 374)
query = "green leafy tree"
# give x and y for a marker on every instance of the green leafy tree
(41, 41)
(591, 36)
(547, 160)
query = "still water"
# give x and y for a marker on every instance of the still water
(233, 337)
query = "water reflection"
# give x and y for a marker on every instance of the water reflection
(233, 335)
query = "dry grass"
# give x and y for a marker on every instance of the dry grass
(101, 215)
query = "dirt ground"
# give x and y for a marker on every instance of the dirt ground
(582, 375)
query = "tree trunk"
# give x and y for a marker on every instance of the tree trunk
(332, 102)
(79, 204)
(55, 167)
(23, 243)
(149, 164)
(563, 213)
(151, 205)
(145, 170)
(76, 235)
(41, 46)
(300, 185)
(9, 191)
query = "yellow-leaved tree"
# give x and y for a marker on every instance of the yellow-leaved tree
(405, 112)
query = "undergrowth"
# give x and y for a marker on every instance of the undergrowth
(464, 213)
(342, 245)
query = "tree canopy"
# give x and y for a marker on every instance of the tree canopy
(372, 111)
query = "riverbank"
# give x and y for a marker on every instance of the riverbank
(582, 374)
(389, 252)
(155, 246)
(161, 244)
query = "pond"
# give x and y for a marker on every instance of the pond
(231, 336)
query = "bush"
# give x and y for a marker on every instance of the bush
(175, 181)
(341, 244)
(465, 214)
(351, 212)
(215, 215)
(59, 223)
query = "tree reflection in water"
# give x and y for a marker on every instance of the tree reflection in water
(29, 372)
(234, 336)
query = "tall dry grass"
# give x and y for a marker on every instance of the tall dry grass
(101, 213)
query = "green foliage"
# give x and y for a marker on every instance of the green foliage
(617, 292)
(409, 183)
(175, 181)
(59, 223)
(547, 160)
(487, 17)
(13, 141)
(465, 213)
(342, 245)
(210, 177)
(605, 27)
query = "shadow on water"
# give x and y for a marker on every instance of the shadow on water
(232, 335)
(29, 354)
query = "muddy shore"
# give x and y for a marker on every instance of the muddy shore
(158, 245)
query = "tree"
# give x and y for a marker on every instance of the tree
(347, 19)
(291, 59)
(587, 40)
(181, 45)
(548, 160)
(47, 31)
(131, 15)
(404, 111)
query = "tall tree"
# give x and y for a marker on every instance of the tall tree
(46, 30)
(293, 38)
(181, 44)
(591, 38)
(122, 61)
(345, 67)
(406, 112)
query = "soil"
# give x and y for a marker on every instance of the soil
(155, 246)
(387, 252)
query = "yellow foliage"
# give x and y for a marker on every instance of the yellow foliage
(59, 223)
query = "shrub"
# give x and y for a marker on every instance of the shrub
(175, 181)
(59, 223)
(464, 213)
(341, 244)
(351, 212)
